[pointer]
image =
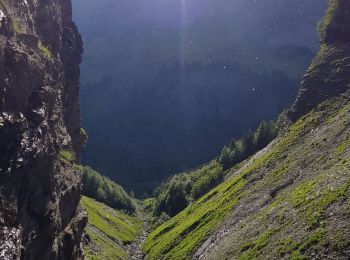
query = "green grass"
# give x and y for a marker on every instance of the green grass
(323, 25)
(312, 201)
(295, 250)
(185, 231)
(101, 248)
(251, 250)
(45, 50)
(109, 230)
(16, 26)
(67, 155)
(343, 146)
(312, 240)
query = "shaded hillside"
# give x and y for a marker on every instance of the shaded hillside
(156, 130)
(162, 78)
(132, 35)
(292, 199)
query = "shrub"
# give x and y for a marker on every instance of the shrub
(67, 155)
(45, 50)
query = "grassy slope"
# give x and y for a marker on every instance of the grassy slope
(110, 231)
(290, 201)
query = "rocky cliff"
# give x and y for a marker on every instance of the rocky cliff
(40, 136)
(328, 75)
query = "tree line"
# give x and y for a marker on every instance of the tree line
(182, 189)
(104, 190)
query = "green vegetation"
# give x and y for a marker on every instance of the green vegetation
(149, 205)
(83, 132)
(101, 248)
(311, 240)
(105, 190)
(324, 24)
(109, 231)
(343, 146)
(239, 150)
(313, 202)
(250, 250)
(182, 189)
(185, 231)
(295, 249)
(16, 26)
(45, 50)
(67, 155)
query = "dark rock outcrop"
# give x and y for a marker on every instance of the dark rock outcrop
(328, 75)
(40, 53)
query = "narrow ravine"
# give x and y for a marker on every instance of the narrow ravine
(134, 250)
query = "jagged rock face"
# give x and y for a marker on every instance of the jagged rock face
(328, 75)
(40, 53)
(336, 22)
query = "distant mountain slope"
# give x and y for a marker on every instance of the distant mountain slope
(292, 199)
(167, 83)
(122, 35)
(109, 232)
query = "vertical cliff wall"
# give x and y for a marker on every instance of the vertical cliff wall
(40, 53)
(328, 75)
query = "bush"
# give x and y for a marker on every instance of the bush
(67, 155)
(106, 191)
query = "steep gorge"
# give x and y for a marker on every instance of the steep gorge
(40, 53)
(290, 200)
